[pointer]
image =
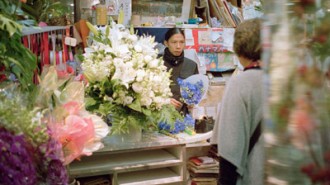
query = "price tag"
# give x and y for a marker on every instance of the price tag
(70, 41)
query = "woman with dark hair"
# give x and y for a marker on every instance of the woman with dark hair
(238, 128)
(180, 66)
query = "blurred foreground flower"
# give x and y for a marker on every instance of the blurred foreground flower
(301, 110)
(28, 155)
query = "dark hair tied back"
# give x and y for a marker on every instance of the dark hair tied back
(173, 31)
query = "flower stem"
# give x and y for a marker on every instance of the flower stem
(168, 134)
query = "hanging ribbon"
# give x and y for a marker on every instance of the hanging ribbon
(35, 50)
(65, 49)
(45, 46)
(25, 41)
(30, 42)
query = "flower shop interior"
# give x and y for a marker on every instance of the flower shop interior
(85, 97)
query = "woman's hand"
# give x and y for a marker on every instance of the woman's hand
(190, 108)
(177, 104)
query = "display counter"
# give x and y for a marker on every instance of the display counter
(156, 159)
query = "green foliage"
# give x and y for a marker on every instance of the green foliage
(121, 117)
(17, 117)
(13, 55)
(320, 44)
(280, 112)
(44, 10)
(9, 25)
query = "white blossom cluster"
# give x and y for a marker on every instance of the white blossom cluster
(132, 61)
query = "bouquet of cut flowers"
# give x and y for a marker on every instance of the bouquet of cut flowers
(193, 88)
(179, 126)
(78, 131)
(28, 154)
(191, 93)
(126, 80)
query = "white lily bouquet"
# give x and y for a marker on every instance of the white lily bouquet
(127, 83)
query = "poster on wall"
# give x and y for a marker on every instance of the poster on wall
(213, 40)
(217, 62)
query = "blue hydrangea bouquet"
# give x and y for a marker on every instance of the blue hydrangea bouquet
(193, 90)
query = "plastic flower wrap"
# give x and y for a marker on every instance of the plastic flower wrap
(126, 79)
(28, 155)
(78, 131)
(193, 88)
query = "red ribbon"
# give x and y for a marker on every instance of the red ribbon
(45, 52)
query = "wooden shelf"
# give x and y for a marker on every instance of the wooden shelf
(156, 159)
(198, 144)
(149, 177)
(123, 162)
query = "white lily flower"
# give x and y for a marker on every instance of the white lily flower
(133, 38)
(138, 48)
(137, 87)
(131, 61)
(128, 100)
(146, 101)
(153, 63)
(147, 58)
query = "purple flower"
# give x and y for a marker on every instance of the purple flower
(52, 165)
(16, 159)
(21, 163)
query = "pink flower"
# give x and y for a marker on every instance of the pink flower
(302, 70)
(74, 134)
(42, 24)
(302, 117)
(81, 78)
(61, 73)
(302, 120)
(69, 69)
(72, 107)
